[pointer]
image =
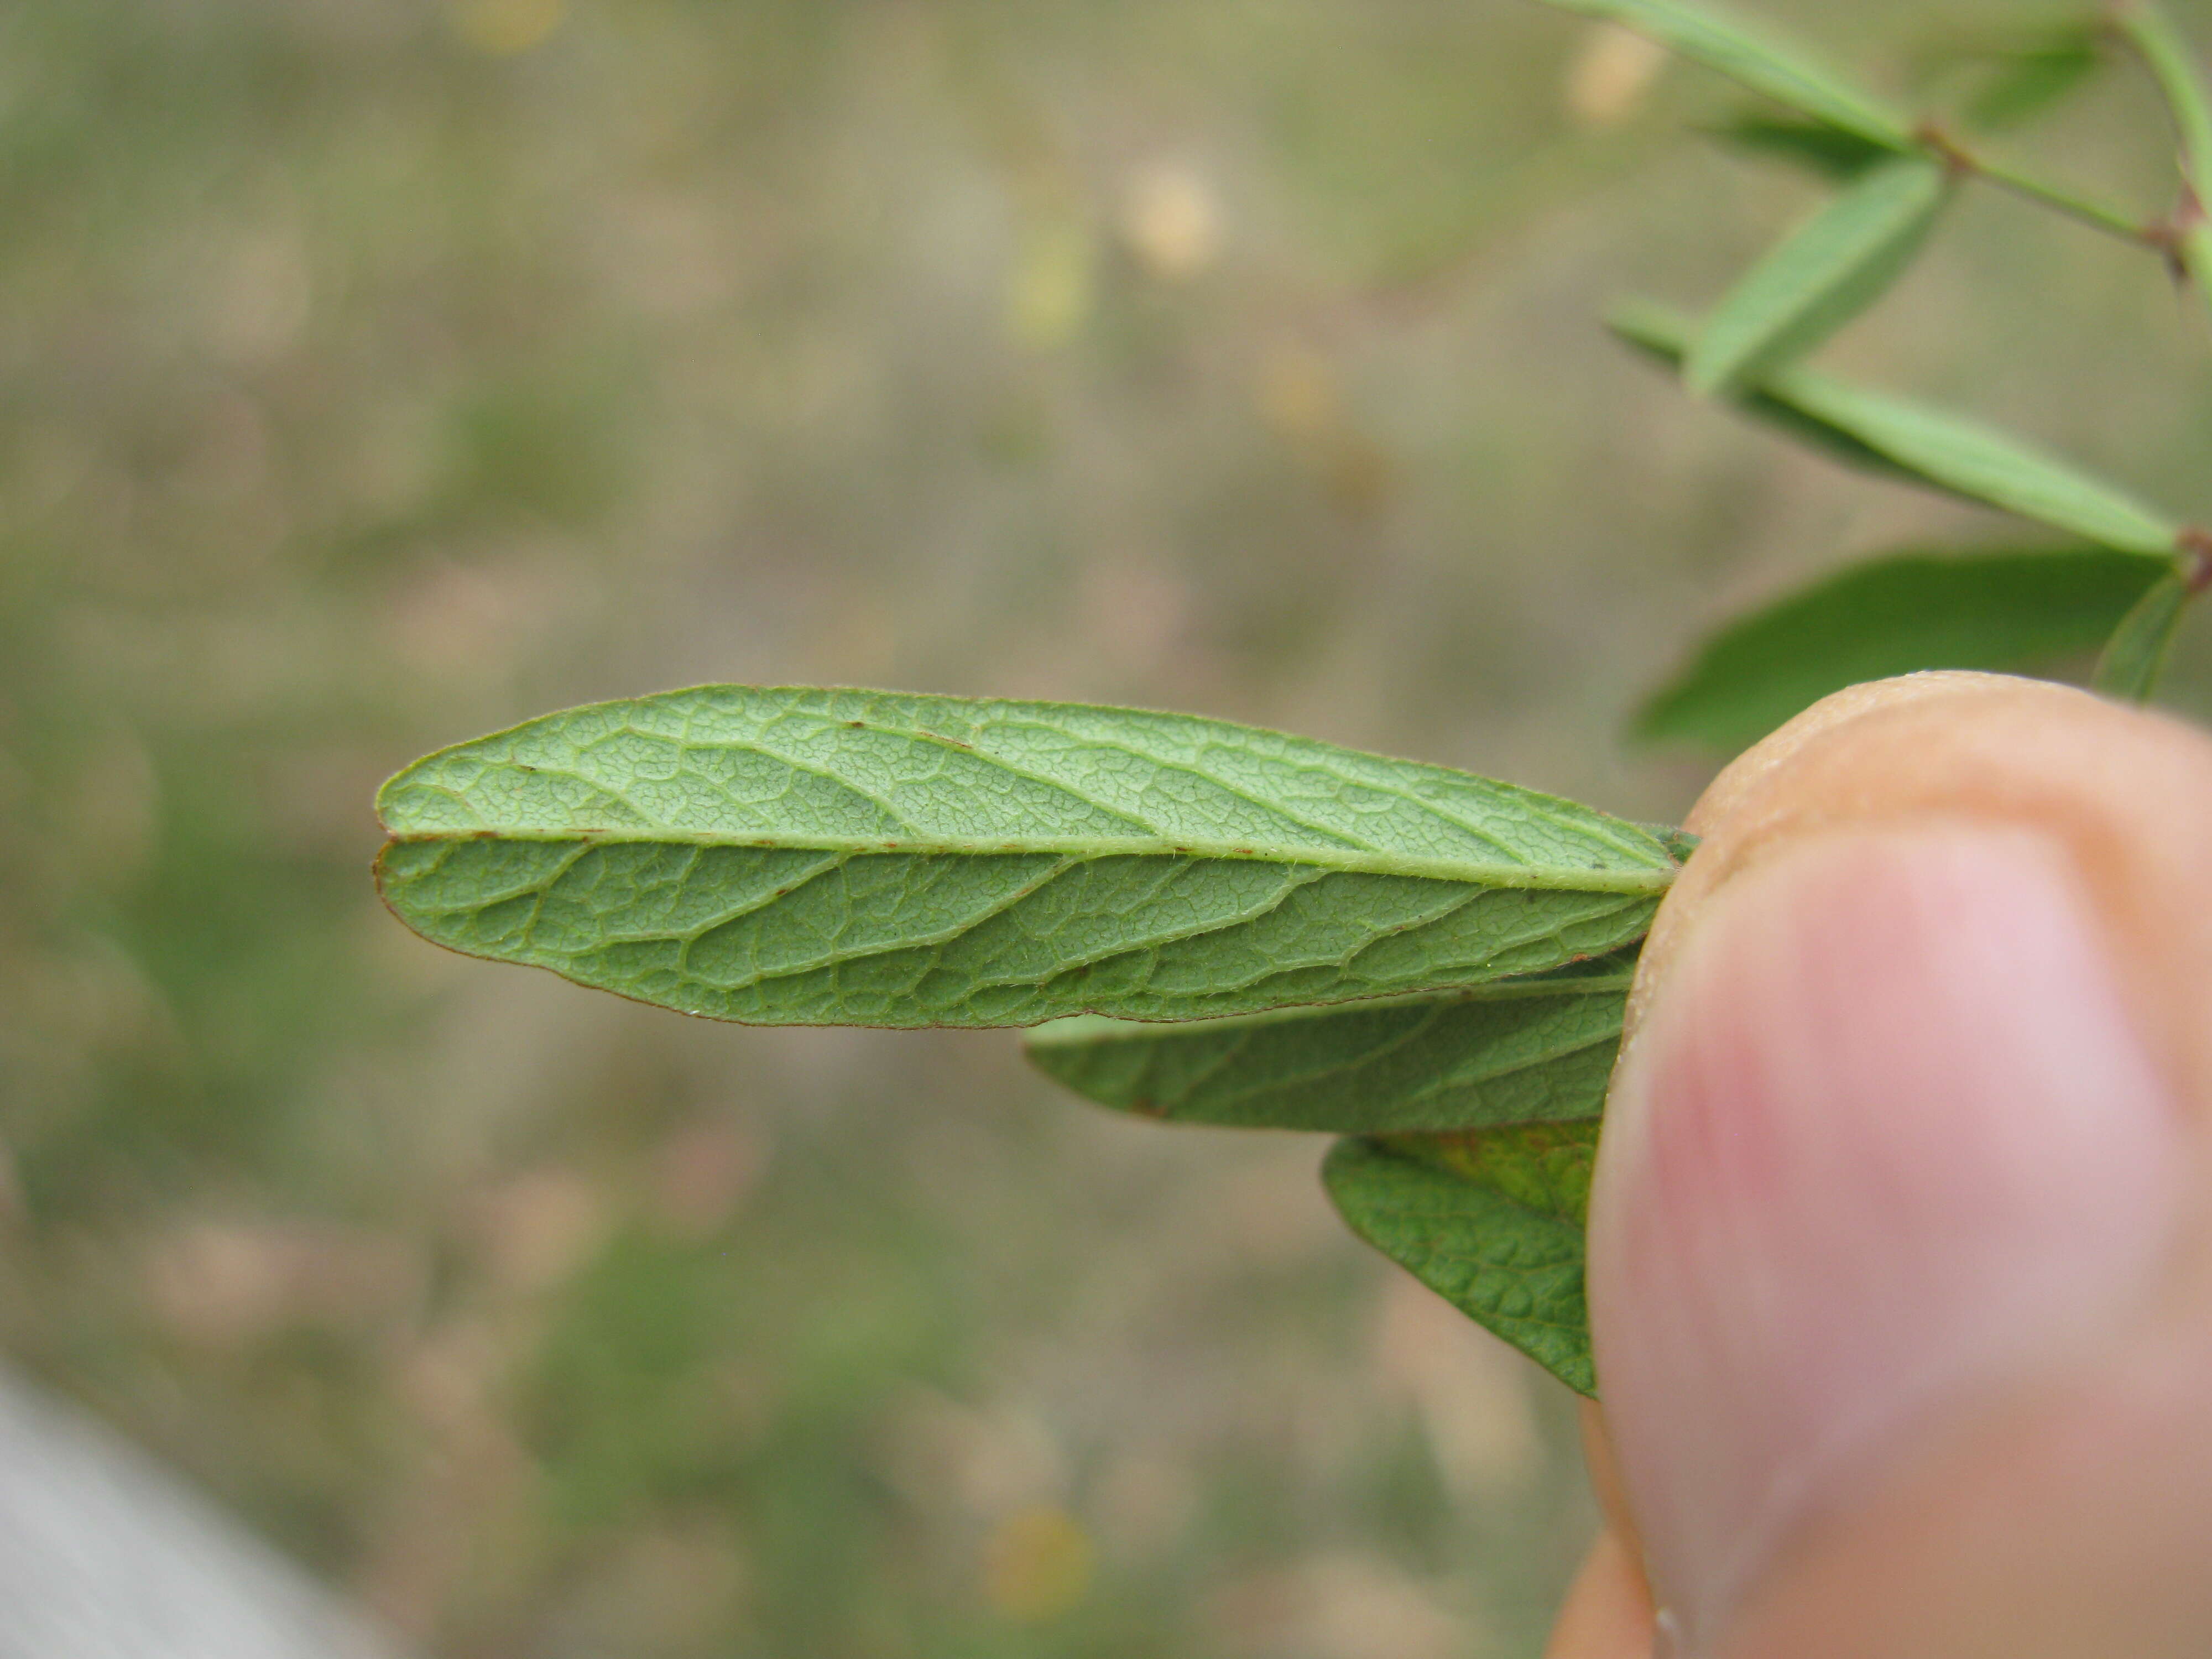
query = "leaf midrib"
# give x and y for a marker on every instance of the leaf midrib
(1535, 877)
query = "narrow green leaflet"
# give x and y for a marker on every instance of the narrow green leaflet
(2136, 659)
(1480, 1111)
(2028, 80)
(1518, 1051)
(1902, 438)
(1492, 1222)
(1823, 275)
(2003, 610)
(1833, 153)
(1664, 336)
(1707, 36)
(1972, 461)
(802, 856)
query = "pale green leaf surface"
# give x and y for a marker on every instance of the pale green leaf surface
(2001, 611)
(819, 857)
(2134, 659)
(1903, 439)
(1708, 36)
(1516, 1051)
(1514, 1267)
(1820, 276)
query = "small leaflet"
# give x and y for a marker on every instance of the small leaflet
(1902, 438)
(2000, 610)
(1826, 273)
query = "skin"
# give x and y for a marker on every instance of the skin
(2062, 1508)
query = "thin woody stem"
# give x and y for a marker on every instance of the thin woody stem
(2081, 209)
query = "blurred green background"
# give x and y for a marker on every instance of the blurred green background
(375, 373)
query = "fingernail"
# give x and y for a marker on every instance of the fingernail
(1886, 1137)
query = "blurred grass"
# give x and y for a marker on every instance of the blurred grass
(372, 374)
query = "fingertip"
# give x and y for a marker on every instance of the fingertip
(2125, 793)
(1890, 1137)
(2036, 1507)
(1608, 1612)
(1602, 1465)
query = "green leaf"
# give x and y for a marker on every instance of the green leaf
(1819, 278)
(2136, 659)
(1492, 1223)
(2000, 611)
(2026, 81)
(1981, 464)
(1744, 55)
(1904, 440)
(1664, 336)
(1835, 155)
(1517, 1051)
(818, 857)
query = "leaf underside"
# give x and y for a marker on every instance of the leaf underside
(826, 857)
(1519, 1051)
(1492, 1222)
(2002, 610)
(1479, 1111)
(1363, 944)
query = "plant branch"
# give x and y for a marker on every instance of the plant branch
(2095, 215)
